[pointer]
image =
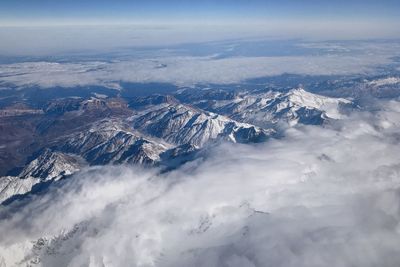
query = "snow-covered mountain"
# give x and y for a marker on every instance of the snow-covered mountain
(110, 141)
(48, 166)
(166, 133)
(52, 165)
(384, 81)
(104, 142)
(270, 108)
(158, 129)
(182, 124)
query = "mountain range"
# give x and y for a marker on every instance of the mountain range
(52, 142)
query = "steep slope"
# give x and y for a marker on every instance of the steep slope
(48, 166)
(105, 142)
(52, 165)
(182, 124)
(268, 109)
(159, 130)
(110, 141)
(11, 186)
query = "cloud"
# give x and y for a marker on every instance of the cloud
(317, 197)
(184, 71)
(171, 66)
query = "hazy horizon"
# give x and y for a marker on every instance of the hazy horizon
(48, 27)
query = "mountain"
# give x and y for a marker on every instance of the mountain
(156, 130)
(271, 108)
(52, 165)
(76, 132)
(384, 86)
(48, 166)
(183, 124)
(384, 81)
(110, 141)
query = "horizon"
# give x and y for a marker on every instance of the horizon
(350, 16)
(40, 27)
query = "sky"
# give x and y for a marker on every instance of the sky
(47, 12)
(44, 27)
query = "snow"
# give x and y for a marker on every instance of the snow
(385, 81)
(180, 124)
(301, 98)
(273, 107)
(11, 186)
(143, 137)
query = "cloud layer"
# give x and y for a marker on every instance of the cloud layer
(216, 62)
(183, 71)
(318, 197)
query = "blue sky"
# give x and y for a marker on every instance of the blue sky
(106, 11)
(132, 23)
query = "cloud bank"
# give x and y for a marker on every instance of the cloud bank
(218, 63)
(183, 71)
(318, 197)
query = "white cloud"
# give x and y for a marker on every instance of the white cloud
(184, 71)
(318, 197)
